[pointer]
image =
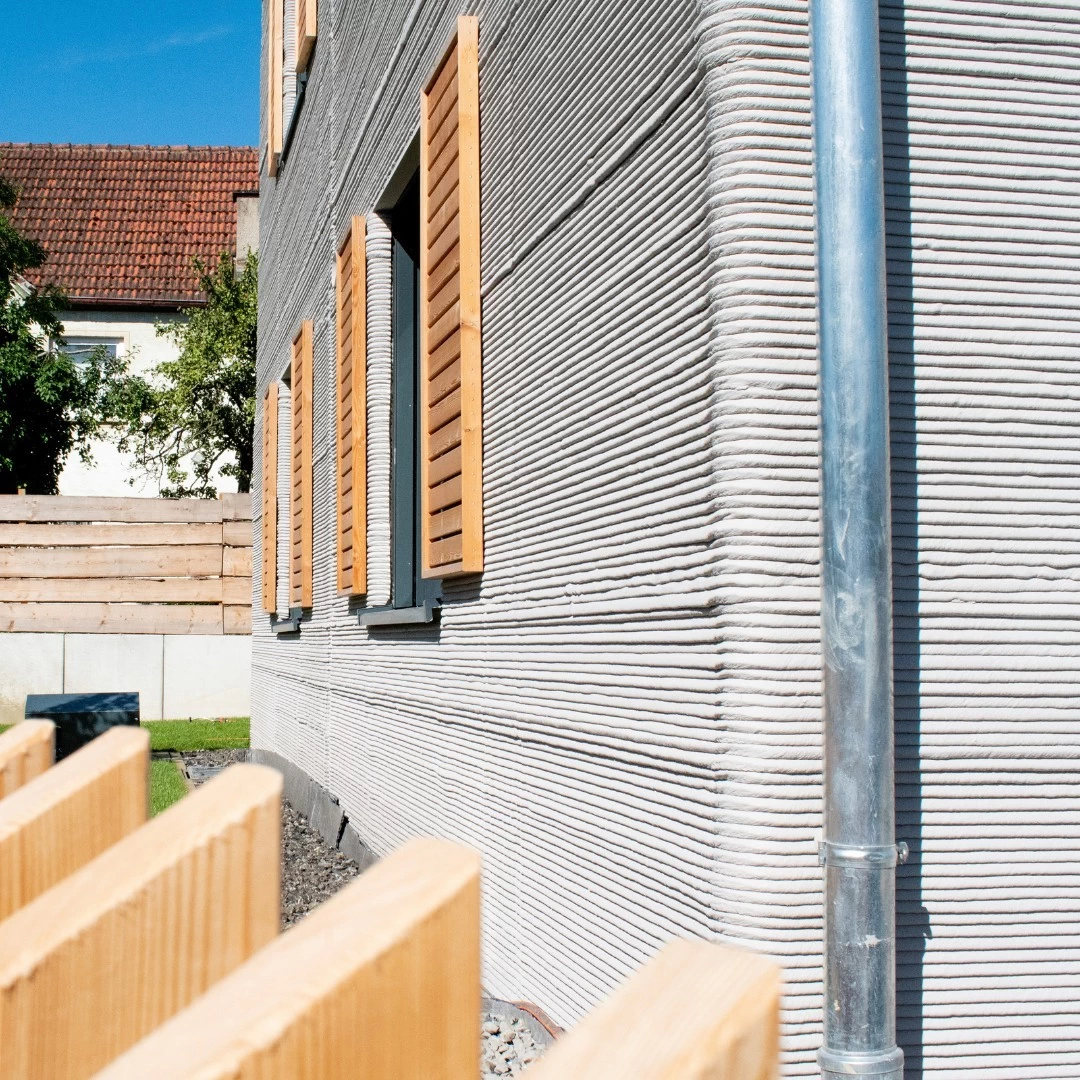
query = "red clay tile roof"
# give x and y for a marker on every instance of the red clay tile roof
(121, 224)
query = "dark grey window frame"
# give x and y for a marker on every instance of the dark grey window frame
(414, 600)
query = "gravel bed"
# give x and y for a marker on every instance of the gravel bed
(212, 758)
(312, 872)
(507, 1046)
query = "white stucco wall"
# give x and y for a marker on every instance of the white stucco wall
(111, 473)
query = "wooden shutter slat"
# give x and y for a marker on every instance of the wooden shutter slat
(445, 108)
(441, 163)
(446, 438)
(445, 494)
(440, 414)
(442, 220)
(301, 562)
(442, 468)
(444, 78)
(352, 409)
(442, 273)
(443, 190)
(447, 324)
(440, 139)
(446, 524)
(447, 554)
(306, 20)
(269, 499)
(444, 384)
(443, 300)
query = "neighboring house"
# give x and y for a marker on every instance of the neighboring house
(544, 577)
(121, 226)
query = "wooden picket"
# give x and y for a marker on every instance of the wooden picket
(697, 1011)
(390, 970)
(26, 751)
(71, 813)
(99, 961)
(160, 958)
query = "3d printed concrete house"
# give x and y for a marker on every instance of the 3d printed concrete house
(539, 510)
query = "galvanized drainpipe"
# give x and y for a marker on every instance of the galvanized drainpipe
(859, 850)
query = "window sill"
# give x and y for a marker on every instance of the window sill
(422, 615)
(289, 625)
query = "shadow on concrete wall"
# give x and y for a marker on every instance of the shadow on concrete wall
(913, 922)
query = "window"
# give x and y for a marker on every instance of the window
(81, 348)
(409, 589)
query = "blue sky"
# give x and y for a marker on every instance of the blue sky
(130, 71)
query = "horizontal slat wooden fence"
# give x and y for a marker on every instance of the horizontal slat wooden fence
(160, 958)
(129, 566)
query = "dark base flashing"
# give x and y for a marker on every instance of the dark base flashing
(310, 798)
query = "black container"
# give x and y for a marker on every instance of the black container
(81, 717)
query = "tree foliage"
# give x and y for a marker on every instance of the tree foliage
(192, 418)
(49, 405)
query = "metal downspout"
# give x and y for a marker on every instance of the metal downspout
(859, 851)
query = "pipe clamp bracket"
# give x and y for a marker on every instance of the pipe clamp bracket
(862, 857)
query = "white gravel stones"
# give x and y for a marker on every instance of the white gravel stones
(507, 1046)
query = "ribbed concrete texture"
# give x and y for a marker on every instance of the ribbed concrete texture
(623, 713)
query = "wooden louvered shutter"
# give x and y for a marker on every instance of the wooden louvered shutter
(275, 85)
(352, 409)
(306, 13)
(301, 542)
(269, 499)
(451, 390)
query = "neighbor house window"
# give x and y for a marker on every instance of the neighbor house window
(80, 349)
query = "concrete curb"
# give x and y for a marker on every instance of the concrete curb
(308, 797)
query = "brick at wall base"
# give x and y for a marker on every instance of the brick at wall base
(308, 797)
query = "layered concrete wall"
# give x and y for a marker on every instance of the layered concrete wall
(623, 714)
(177, 677)
(581, 761)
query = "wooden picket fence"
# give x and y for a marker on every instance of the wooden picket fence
(85, 565)
(132, 949)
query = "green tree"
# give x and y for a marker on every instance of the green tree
(49, 405)
(194, 416)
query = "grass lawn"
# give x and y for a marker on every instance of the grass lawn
(166, 786)
(184, 735)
